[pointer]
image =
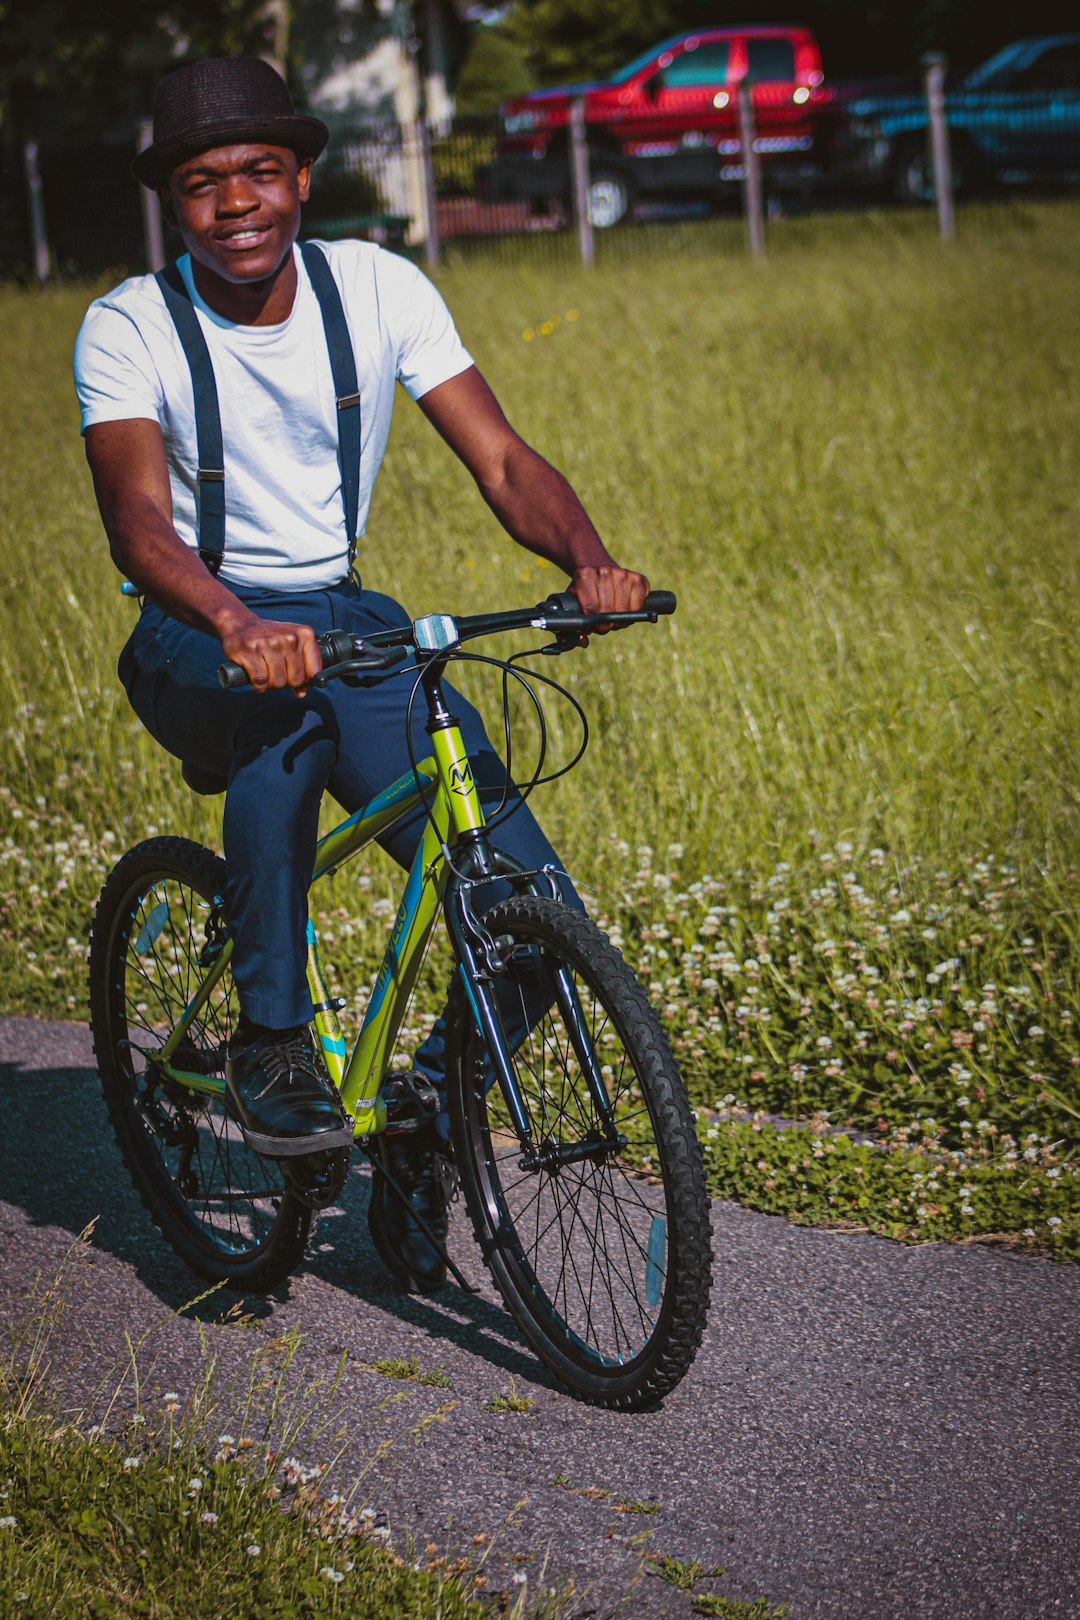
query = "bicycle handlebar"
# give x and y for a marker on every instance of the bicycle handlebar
(367, 659)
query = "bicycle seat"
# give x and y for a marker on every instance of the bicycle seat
(202, 781)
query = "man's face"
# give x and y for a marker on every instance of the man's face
(238, 208)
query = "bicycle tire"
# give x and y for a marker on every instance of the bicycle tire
(225, 1210)
(604, 1263)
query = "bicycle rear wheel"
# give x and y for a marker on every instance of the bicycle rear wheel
(158, 925)
(603, 1255)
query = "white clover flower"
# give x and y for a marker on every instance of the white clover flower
(1029, 1231)
(334, 1575)
(1054, 1221)
(171, 1398)
(7, 1522)
(254, 1550)
(519, 1577)
(132, 1462)
(208, 1518)
(1035, 1031)
(194, 1486)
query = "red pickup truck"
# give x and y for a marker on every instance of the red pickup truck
(666, 125)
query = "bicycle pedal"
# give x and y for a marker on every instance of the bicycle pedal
(411, 1102)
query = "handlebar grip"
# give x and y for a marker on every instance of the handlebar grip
(334, 645)
(231, 675)
(660, 602)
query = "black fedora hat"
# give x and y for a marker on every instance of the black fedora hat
(223, 101)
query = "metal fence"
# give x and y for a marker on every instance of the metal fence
(710, 183)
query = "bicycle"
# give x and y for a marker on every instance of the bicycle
(572, 1135)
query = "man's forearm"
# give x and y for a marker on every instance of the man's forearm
(148, 550)
(538, 507)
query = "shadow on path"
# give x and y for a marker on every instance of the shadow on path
(60, 1163)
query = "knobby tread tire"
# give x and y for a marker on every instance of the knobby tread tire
(572, 937)
(264, 1265)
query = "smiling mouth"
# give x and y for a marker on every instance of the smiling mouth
(247, 237)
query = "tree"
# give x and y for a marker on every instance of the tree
(564, 40)
(567, 40)
(72, 65)
(494, 70)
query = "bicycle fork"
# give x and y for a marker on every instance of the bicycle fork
(483, 963)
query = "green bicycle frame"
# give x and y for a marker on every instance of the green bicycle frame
(445, 779)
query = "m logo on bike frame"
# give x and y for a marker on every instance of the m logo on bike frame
(461, 780)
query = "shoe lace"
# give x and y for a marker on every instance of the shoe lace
(279, 1059)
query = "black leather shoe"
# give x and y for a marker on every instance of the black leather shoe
(282, 1096)
(418, 1169)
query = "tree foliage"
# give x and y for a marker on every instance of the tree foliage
(494, 69)
(67, 65)
(567, 40)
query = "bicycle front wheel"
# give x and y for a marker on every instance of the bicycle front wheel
(158, 929)
(601, 1251)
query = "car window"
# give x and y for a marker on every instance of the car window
(770, 59)
(701, 65)
(1055, 69)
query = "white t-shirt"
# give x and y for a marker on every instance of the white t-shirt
(284, 520)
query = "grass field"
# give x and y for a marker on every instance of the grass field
(831, 810)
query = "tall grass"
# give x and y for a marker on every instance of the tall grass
(854, 464)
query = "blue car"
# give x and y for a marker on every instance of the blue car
(1013, 121)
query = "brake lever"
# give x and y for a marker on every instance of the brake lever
(566, 639)
(367, 670)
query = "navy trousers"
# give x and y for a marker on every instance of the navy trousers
(279, 753)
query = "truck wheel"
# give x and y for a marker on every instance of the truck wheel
(913, 177)
(610, 199)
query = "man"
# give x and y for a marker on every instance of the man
(217, 430)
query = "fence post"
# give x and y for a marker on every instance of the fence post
(431, 219)
(752, 203)
(153, 230)
(579, 175)
(39, 241)
(934, 81)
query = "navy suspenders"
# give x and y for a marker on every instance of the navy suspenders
(346, 387)
(210, 488)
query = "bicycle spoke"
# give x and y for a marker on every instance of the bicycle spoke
(232, 1197)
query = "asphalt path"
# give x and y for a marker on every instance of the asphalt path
(869, 1430)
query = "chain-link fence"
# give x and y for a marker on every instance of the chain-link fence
(581, 182)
